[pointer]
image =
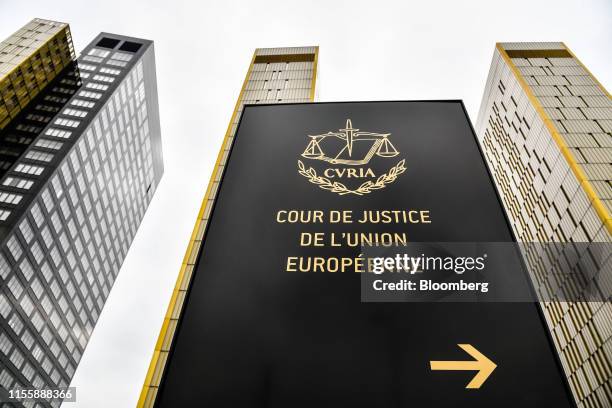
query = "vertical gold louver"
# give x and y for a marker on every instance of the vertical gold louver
(545, 125)
(29, 60)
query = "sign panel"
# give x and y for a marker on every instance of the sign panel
(275, 315)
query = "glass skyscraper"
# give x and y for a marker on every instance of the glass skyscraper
(545, 127)
(275, 75)
(79, 165)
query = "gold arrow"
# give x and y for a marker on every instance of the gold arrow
(483, 365)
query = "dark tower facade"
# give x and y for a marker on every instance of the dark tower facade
(78, 168)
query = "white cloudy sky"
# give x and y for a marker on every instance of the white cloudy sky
(370, 50)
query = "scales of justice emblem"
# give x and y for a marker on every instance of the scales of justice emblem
(350, 151)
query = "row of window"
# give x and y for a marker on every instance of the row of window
(82, 103)
(39, 156)
(74, 112)
(67, 122)
(29, 169)
(49, 144)
(10, 198)
(24, 184)
(63, 134)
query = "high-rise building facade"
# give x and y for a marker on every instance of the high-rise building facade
(545, 127)
(29, 60)
(80, 165)
(275, 75)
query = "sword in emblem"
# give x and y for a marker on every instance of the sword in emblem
(350, 136)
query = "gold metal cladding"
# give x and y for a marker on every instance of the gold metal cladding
(599, 207)
(605, 91)
(66, 28)
(63, 32)
(157, 365)
(314, 74)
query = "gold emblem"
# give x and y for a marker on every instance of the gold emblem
(349, 153)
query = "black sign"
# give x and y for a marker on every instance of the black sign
(274, 316)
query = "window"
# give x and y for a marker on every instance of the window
(57, 225)
(14, 248)
(15, 323)
(111, 71)
(92, 58)
(46, 302)
(26, 270)
(16, 139)
(94, 85)
(89, 94)
(47, 238)
(47, 365)
(57, 99)
(5, 344)
(18, 182)
(37, 353)
(74, 112)
(116, 63)
(5, 306)
(29, 169)
(47, 108)
(27, 339)
(47, 200)
(4, 214)
(28, 371)
(37, 118)
(37, 288)
(121, 56)
(6, 380)
(87, 67)
(26, 230)
(67, 122)
(17, 358)
(37, 252)
(67, 81)
(62, 90)
(64, 134)
(57, 186)
(65, 210)
(39, 156)
(103, 78)
(139, 71)
(83, 103)
(98, 52)
(37, 214)
(15, 287)
(49, 144)
(66, 171)
(26, 303)
(10, 198)
(5, 268)
(27, 128)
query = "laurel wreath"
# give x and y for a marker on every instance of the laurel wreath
(365, 188)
